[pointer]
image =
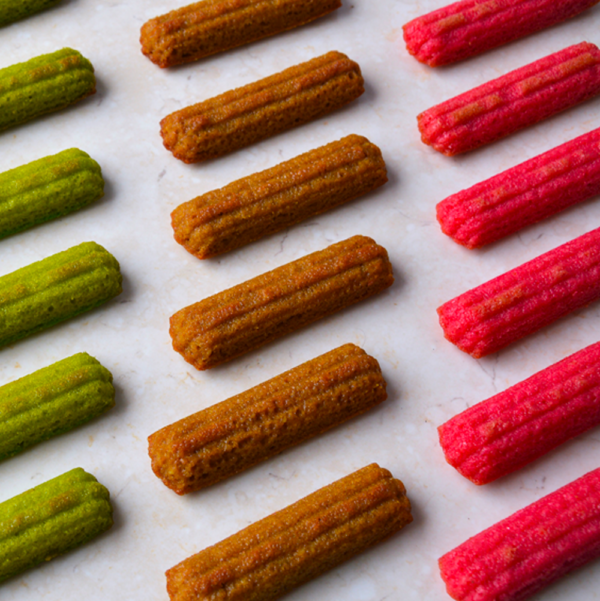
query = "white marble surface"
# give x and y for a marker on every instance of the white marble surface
(429, 379)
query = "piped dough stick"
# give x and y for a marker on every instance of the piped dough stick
(511, 429)
(51, 519)
(56, 288)
(269, 558)
(15, 10)
(259, 110)
(525, 299)
(275, 303)
(48, 188)
(269, 201)
(467, 28)
(44, 84)
(233, 435)
(514, 101)
(525, 194)
(532, 548)
(203, 28)
(52, 400)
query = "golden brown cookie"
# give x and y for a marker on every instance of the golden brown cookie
(233, 435)
(280, 301)
(272, 200)
(203, 28)
(259, 110)
(272, 556)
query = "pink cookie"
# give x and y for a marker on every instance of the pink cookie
(517, 426)
(535, 546)
(525, 299)
(470, 27)
(514, 101)
(525, 194)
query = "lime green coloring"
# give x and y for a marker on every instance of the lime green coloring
(51, 401)
(51, 518)
(56, 288)
(44, 84)
(15, 10)
(48, 188)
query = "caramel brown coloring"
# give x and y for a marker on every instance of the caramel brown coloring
(231, 436)
(204, 28)
(280, 301)
(272, 556)
(272, 200)
(246, 115)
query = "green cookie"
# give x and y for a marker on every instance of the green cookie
(15, 10)
(51, 401)
(50, 519)
(44, 84)
(61, 286)
(48, 188)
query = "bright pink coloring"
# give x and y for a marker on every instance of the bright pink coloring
(514, 101)
(525, 299)
(525, 194)
(535, 546)
(517, 426)
(470, 27)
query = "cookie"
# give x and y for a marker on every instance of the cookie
(52, 400)
(204, 28)
(274, 555)
(259, 110)
(514, 101)
(44, 84)
(59, 287)
(280, 197)
(233, 435)
(51, 519)
(47, 189)
(245, 317)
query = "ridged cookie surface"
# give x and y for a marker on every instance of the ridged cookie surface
(280, 301)
(15, 10)
(272, 200)
(50, 519)
(51, 401)
(61, 286)
(48, 188)
(44, 84)
(269, 558)
(250, 427)
(254, 112)
(204, 28)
